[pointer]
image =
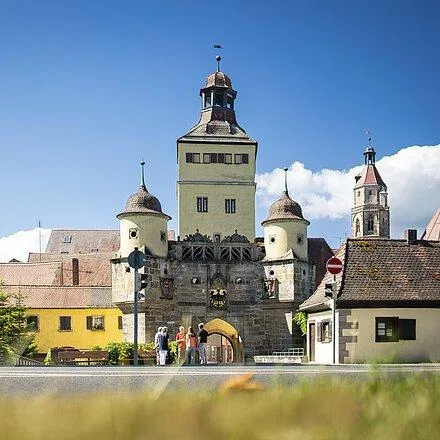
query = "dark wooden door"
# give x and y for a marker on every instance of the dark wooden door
(311, 342)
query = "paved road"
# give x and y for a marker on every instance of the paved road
(37, 380)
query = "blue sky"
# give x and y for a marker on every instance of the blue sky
(88, 88)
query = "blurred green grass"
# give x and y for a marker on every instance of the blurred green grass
(405, 407)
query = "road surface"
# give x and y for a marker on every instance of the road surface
(68, 380)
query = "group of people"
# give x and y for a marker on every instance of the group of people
(188, 344)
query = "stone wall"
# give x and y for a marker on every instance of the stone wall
(262, 324)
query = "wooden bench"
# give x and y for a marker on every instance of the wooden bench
(77, 357)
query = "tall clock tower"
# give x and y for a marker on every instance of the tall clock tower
(216, 162)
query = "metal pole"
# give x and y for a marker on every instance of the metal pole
(135, 318)
(335, 290)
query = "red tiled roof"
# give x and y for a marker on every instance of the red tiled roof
(94, 268)
(39, 274)
(54, 297)
(83, 241)
(386, 271)
(370, 176)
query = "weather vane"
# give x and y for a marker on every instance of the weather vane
(368, 134)
(218, 57)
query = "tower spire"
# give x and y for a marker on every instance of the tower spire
(218, 58)
(285, 180)
(142, 173)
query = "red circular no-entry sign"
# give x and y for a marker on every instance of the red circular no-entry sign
(334, 265)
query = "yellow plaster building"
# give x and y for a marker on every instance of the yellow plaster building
(67, 291)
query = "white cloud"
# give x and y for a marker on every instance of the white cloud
(412, 176)
(19, 245)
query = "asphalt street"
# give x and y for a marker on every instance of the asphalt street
(155, 380)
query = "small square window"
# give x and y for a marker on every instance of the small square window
(163, 235)
(67, 239)
(213, 157)
(407, 329)
(230, 206)
(387, 329)
(33, 323)
(245, 158)
(65, 323)
(189, 157)
(95, 322)
(196, 157)
(202, 204)
(206, 157)
(221, 157)
(237, 158)
(228, 158)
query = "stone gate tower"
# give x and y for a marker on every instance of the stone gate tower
(370, 215)
(216, 163)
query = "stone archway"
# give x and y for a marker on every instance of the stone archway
(230, 334)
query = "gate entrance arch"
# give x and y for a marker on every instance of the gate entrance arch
(224, 342)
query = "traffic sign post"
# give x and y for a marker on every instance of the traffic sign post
(334, 266)
(136, 260)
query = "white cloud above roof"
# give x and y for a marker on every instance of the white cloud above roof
(412, 176)
(19, 245)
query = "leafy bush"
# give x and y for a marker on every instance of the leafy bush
(300, 319)
(119, 351)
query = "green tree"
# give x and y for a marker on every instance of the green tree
(15, 336)
(300, 319)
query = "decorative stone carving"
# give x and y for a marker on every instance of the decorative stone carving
(198, 237)
(235, 238)
(270, 288)
(166, 287)
(218, 293)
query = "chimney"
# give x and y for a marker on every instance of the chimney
(411, 236)
(75, 272)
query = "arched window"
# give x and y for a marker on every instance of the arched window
(370, 224)
(357, 228)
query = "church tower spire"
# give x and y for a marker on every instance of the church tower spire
(370, 215)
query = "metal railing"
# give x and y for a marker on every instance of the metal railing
(289, 352)
(21, 361)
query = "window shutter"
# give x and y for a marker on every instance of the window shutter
(319, 332)
(330, 330)
(89, 322)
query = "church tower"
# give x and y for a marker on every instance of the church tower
(370, 215)
(216, 167)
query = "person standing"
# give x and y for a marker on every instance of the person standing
(191, 346)
(181, 345)
(156, 343)
(203, 340)
(163, 346)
